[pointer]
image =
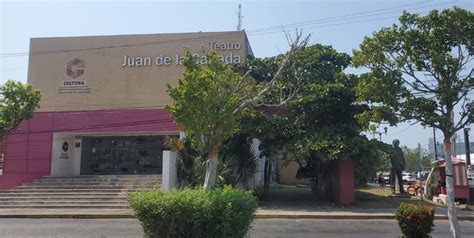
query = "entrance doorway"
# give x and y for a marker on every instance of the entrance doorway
(121, 155)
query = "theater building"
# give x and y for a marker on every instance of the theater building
(103, 98)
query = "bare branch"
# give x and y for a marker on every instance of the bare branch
(295, 45)
(461, 97)
(408, 69)
(462, 122)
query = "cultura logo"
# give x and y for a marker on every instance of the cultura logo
(75, 68)
(65, 146)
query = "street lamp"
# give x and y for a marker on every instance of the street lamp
(380, 133)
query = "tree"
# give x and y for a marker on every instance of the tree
(276, 134)
(420, 70)
(329, 131)
(203, 104)
(412, 161)
(281, 130)
(209, 101)
(318, 124)
(17, 103)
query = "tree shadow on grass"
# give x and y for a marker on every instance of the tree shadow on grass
(293, 198)
(370, 197)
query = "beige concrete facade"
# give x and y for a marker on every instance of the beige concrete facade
(114, 72)
(287, 174)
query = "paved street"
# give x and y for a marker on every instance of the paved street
(262, 228)
(343, 228)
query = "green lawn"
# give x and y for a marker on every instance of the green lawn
(297, 198)
(370, 197)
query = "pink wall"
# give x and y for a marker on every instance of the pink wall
(28, 149)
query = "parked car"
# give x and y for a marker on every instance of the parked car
(386, 177)
(408, 178)
(423, 175)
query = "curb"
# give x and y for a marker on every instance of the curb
(346, 217)
(68, 216)
(316, 216)
(257, 216)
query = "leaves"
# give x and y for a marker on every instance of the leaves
(205, 99)
(17, 103)
(420, 70)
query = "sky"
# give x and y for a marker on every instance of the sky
(340, 23)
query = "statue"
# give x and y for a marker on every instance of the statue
(398, 164)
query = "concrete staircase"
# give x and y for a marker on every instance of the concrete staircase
(77, 192)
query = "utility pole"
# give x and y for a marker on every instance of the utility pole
(468, 161)
(420, 157)
(455, 151)
(468, 149)
(435, 144)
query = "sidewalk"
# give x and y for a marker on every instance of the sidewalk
(323, 213)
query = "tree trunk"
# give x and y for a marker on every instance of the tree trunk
(267, 172)
(453, 219)
(211, 169)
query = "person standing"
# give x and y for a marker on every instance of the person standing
(380, 180)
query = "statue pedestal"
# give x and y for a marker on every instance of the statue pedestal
(395, 186)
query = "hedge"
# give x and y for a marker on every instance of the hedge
(194, 212)
(415, 221)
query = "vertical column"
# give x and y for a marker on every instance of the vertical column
(77, 156)
(260, 162)
(169, 176)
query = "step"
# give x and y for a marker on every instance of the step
(90, 185)
(109, 176)
(62, 198)
(63, 195)
(6, 194)
(101, 180)
(103, 176)
(58, 202)
(69, 206)
(77, 192)
(120, 186)
(95, 183)
(22, 191)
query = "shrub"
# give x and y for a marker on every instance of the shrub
(415, 221)
(194, 212)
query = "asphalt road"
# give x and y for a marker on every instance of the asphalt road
(344, 228)
(262, 228)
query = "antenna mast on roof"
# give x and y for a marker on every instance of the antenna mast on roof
(239, 14)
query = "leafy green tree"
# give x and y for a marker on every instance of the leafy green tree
(324, 112)
(318, 124)
(371, 158)
(278, 128)
(204, 102)
(210, 99)
(412, 161)
(329, 131)
(241, 159)
(17, 103)
(276, 134)
(421, 70)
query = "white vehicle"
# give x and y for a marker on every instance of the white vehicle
(422, 175)
(408, 178)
